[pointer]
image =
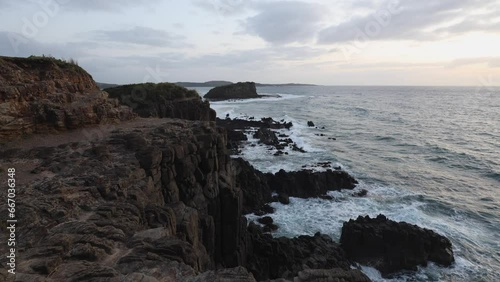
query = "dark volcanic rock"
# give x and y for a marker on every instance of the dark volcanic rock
(310, 124)
(390, 246)
(237, 274)
(266, 136)
(240, 90)
(242, 124)
(284, 198)
(335, 274)
(272, 258)
(266, 220)
(256, 191)
(159, 195)
(308, 184)
(163, 100)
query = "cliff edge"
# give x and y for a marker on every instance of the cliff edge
(163, 100)
(42, 94)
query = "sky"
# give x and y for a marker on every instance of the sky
(328, 42)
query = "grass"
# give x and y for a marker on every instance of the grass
(70, 63)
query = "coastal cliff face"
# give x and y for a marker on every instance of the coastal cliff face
(154, 200)
(163, 100)
(39, 95)
(150, 199)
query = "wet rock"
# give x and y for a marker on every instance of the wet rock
(310, 124)
(266, 220)
(308, 184)
(390, 246)
(361, 193)
(284, 198)
(278, 153)
(273, 258)
(298, 149)
(266, 136)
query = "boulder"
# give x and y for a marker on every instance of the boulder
(240, 90)
(391, 247)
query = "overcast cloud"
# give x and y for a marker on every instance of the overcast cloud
(140, 35)
(264, 40)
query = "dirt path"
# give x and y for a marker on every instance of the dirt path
(87, 134)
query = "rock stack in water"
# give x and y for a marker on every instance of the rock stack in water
(240, 90)
(390, 246)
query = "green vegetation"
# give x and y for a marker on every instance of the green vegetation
(70, 63)
(152, 91)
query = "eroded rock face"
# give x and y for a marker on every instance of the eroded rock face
(40, 95)
(151, 200)
(390, 246)
(240, 90)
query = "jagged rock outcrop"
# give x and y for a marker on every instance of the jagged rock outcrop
(240, 90)
(272, 258)
(163, 100)
(40, 95)
(309, 184)
(241, 124)
(267, 137)
(390, 246)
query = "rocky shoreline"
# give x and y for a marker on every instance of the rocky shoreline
(159, 198)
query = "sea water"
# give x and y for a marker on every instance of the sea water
(427, 155)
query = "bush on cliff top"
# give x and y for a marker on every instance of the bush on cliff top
(62, 63)
(43, 62)
(150, 91)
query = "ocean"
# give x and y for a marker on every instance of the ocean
(427, 155)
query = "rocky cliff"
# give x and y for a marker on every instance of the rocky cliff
(40, 94)
(163, 100)
(155, 199)
(240, 90)
(152, 199)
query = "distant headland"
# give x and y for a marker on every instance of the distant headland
(213, 83)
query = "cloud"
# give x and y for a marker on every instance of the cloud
(492, 62)
(16, 45)
(224, 7)
(285, 22)
(414, 20)
(140, 35)
(100, 5)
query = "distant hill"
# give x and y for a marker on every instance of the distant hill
(106, 85)
(283, 84)
(217, 83)
(213, 83)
